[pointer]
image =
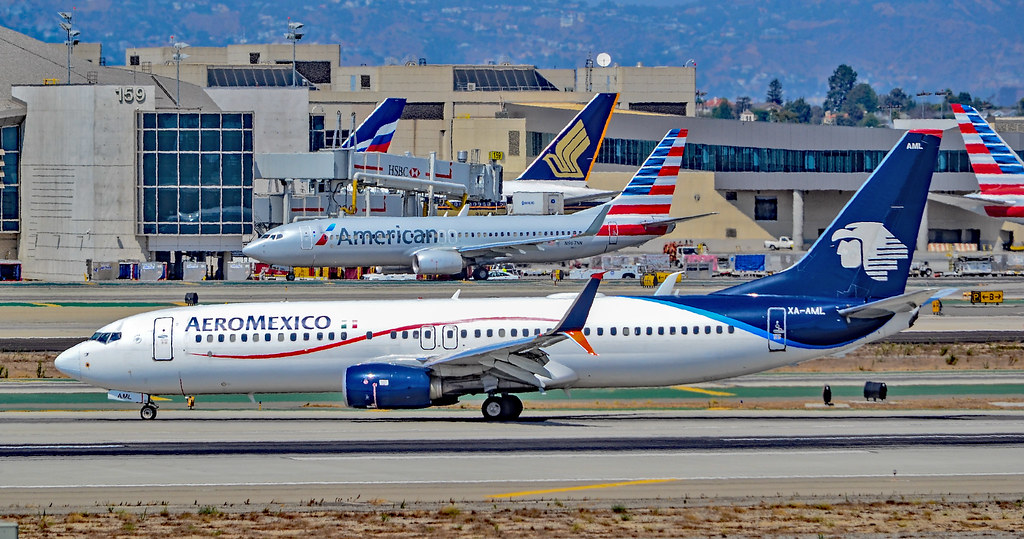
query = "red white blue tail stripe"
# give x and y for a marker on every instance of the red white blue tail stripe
(994, 163)
(377, 130)
(651, 189)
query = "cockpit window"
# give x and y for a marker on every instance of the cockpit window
(105, 337)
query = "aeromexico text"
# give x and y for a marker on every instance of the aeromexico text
(258, 323)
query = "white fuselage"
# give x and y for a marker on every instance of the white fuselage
(380, 241)
(307, 346)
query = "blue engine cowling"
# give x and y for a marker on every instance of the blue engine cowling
(380, 385)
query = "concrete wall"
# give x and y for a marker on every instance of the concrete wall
(281, 115)
(77, 179)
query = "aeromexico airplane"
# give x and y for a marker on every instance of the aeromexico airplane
(451, 245)
(998, 168)
(566, 162)
(849, 289)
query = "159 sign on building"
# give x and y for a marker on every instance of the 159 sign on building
(130, 94)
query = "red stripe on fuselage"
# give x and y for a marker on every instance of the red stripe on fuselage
(363, 337)
(635, 230)
(1005, 211)
(639, 209)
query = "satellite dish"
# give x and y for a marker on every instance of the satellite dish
(604, 59)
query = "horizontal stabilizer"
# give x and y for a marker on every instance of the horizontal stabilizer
(884, 307)
(674, 220)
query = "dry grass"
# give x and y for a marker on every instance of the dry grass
(552, 519)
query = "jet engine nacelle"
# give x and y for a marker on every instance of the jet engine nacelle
(381, 385)
(436, 263)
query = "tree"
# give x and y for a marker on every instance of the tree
(839, 85)
(723, 111)
(871, 121)
(774, 92)
(863, 95)
(796, 112)
(742, 104)
(897, 99)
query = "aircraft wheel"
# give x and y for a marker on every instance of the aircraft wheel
(513, 406)
(148, 412)
(493, 409)
(480, 273)
(290, 277)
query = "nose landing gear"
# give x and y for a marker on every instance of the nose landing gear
(503, 408)
(148, 411)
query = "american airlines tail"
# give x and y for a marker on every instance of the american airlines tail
(649, 192)
(865, 253)
(571, 155)
(999, 169)
(376, 131)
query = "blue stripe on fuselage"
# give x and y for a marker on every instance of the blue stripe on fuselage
(805, 327)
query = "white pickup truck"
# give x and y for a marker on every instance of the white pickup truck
(782, 243)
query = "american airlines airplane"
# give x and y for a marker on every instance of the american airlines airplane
(451, 245)
(849, 289)
(998, 168)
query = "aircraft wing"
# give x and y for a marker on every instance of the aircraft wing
(501, 247)
(895, 304)
(525, 360)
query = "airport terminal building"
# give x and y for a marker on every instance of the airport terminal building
(131, 163)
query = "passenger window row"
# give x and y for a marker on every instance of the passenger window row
(449, 333)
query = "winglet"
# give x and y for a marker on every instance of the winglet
(598, 222)
(576, 317)
(666, 287)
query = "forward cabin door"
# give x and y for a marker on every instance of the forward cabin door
(163, 339)
(306, 237)
(776, 329)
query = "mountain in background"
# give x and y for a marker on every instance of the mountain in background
(739, 46)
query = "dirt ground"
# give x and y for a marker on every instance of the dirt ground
(884, 357)
(551, 518)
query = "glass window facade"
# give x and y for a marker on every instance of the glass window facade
(195, 173)
(717, 158)
(10, 142)
(320, 137)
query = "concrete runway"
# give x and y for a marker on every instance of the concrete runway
(95, 459)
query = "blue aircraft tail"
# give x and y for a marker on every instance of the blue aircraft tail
(376, 131)
(866, 252)
(570, 156)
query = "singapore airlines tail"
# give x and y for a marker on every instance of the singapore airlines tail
(866, 252)
(999, 170)
(376, 131)
(571, 155)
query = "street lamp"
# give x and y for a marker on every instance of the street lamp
(178, 57)
(72, 39)
(294, 34)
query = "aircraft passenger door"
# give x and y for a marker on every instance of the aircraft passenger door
(428, 337)
(162, 340)
(776, 329)
(305, 237)
(613, 234)
(450, 337)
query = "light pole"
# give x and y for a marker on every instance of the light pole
(71, 40)
(294, 34)
(178, 57)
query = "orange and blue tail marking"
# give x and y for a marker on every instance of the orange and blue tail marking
(377, 130)
(651, 189)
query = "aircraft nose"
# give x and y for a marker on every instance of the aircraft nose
(68, 362)
(254, 249)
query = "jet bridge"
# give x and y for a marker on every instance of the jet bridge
(343, 181)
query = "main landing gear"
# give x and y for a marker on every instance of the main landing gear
(503, 408)
(480, 273)
(148, 411)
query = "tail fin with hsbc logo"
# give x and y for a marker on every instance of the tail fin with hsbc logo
(866, 252)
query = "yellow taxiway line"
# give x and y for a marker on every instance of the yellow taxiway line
(584, 487)
(704, 391)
